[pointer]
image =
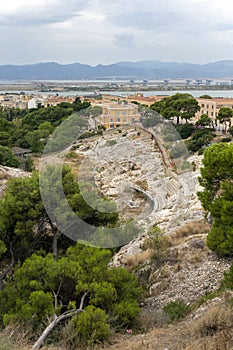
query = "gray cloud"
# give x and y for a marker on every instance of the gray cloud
(46, 13)
(100, 31)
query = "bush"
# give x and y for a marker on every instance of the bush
(185, 130)
(86, 135)
(228, 278)
(85, 329)
(226, 139)
(111, 142)
(29, 164)
(202, 132)
(126, 313)
(196, 145)
(71, 154)
(176, 310)
(91, 325)
(158, 243)
(7, 158)
(101, 127)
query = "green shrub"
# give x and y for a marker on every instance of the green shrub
(200, 139)
(159, 244)
(71, 154)
(208, 296)
(126, 313)
(228, 278)
(185, 130)
(199, 133)
(7, 158)
(196, 145)
(92, 325)
(101, 127)
(86, 135)
(111, 142)
(226, 139)
(176, 310)
(29, 164)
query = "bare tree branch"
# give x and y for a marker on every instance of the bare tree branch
(58, 319)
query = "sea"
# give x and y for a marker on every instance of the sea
(194, 93)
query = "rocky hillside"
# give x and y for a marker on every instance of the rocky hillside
(129, 169)
(6, 173)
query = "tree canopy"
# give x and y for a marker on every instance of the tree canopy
(179, 105)
(25, 226)
(45, 288)
(217, 196)
(224, 115)
(31, 128)
(51, 279)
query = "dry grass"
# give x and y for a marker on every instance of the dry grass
(142, 184)
(213, 330)
(217, 319)
(189, 229)
(4, 175)
(138, 259)
(195, 256)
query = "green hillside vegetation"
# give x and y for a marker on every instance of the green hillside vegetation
(30, 129)
(48, 280)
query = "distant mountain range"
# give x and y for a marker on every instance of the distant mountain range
(120, 70)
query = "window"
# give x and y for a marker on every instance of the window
(202, 105)
(118, 119)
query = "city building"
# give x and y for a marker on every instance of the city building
(211, 107)
(116, 115)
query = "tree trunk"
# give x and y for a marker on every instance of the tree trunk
(56, 320)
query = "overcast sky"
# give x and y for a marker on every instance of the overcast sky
(105, 31)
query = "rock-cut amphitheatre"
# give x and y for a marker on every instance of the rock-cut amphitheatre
(131, 170)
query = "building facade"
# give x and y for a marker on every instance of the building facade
(116, 115)
(211, 108)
